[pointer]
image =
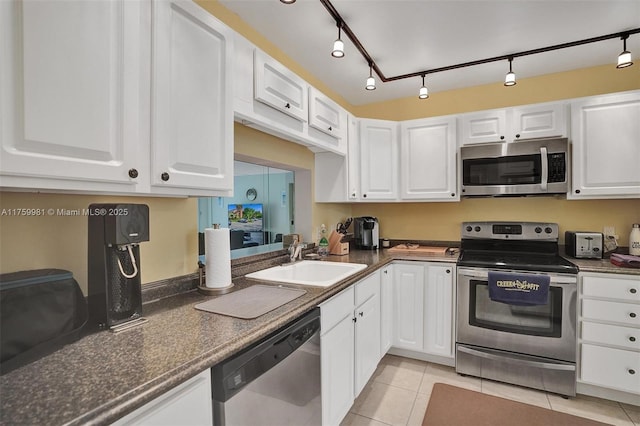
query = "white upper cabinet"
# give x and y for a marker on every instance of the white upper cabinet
(325, 115)
(606, 152)
(87, 109)
(512, 124)
(428, 159)
(378, 160)
(483, 127)
(74, 78)
(279, 87)
(192, 112)
(539, 121)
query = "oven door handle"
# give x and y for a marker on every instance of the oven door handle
(484, 275)
(544, 166)
(521, 362)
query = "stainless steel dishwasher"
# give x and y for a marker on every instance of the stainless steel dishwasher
(273, 382)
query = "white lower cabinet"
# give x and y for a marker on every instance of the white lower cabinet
(408, 305)
(609, 333)
(350, 345)
(386, 309)
(186, 404)
(423, 306)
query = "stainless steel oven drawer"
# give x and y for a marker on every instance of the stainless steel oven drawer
(524, 370)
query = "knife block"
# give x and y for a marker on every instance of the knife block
(336, 246)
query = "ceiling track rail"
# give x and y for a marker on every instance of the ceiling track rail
(340, 22)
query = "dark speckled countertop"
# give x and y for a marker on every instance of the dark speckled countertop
(104, 376)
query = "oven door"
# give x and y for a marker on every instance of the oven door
(543, 330)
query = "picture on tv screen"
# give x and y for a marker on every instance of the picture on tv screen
(245, 217)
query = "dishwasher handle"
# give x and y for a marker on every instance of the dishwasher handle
(234, 373)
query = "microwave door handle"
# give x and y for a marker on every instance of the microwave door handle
(544, 162)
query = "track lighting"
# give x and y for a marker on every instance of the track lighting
(371, 82)
(338, 45)
(424, 92)
(624, 59)
(510, 78)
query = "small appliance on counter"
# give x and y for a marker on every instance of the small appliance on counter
(366, 232)
(584, 245)
(115, 232)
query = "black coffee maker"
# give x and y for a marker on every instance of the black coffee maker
(115, 232)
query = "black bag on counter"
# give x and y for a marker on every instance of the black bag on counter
(40, 311)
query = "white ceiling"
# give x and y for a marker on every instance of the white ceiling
(406, 36)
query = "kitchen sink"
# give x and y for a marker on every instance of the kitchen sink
(309, 272)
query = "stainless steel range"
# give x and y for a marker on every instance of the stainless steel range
(516, 319)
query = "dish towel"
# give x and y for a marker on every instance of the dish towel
(519, 289)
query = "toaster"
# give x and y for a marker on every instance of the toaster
(584, 245)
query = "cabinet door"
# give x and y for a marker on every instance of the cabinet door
(438, 323)
(337, 371)
(367, 333)
(74, 78)
(428, 159)
(378, 160)
(483, 127)
(277, 86)
(408, 291)
(325, 115)
(192, 112)
(367, 339)
(605, 133)
(539, 121)
(353, 158)
(386, 310)
(187, 404)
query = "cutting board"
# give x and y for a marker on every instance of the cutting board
(424, 250)
(251, 302)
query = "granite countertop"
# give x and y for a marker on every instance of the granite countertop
(104, 376)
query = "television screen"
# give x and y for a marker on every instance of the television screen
(245, 217)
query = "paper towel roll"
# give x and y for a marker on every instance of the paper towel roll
(217, 255)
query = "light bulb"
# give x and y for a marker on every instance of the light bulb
(338, 49)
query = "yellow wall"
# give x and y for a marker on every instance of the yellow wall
(441, 221)
(53, 241)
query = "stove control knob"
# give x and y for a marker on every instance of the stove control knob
(469, 228)
(548, 230)
(477, 229)
(538, 230)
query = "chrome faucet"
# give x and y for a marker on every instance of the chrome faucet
(295, 250)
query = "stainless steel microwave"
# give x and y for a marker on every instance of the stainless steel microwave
(527, 167)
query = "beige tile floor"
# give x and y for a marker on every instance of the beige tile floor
(398, 394)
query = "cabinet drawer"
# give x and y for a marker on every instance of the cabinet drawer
(625, 313)
(611, 335)
(368, 287)
(612, 368)
(624, 287)
(336, 309)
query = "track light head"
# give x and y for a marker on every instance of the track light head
(424, 92)
(624, 59)
(371, 82)
(338, 46)
(288, 1)
(510, 78)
